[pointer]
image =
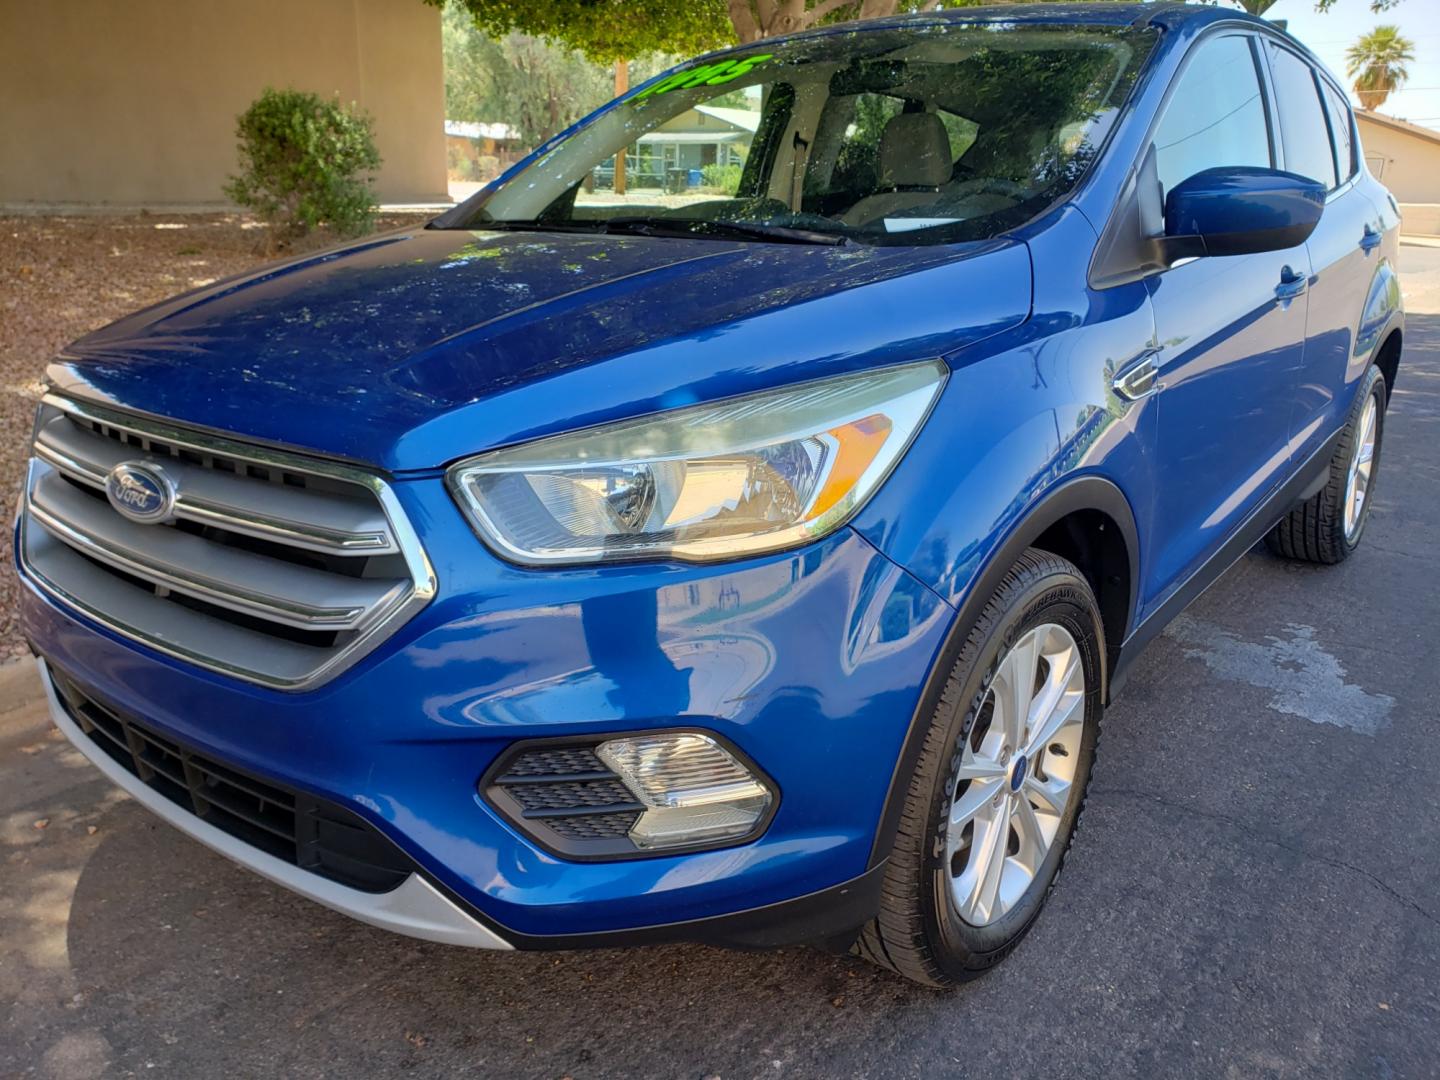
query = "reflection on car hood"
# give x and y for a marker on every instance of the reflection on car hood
(411, 349)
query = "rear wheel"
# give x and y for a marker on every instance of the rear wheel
(996, 794)
(1327, 527)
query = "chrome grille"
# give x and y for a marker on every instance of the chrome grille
(272, 567)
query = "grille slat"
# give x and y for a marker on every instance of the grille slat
(513, 779)
(566, 798)
(217, 776)
(562, 798)
(214, 491)
(305, 831)
(227, 576)
(168, 766)
(275, 568)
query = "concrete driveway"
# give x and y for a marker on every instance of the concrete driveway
(1255, 889)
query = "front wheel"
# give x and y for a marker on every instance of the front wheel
(997, 791)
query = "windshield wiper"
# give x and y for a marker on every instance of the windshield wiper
(500, 225)
(741, 230)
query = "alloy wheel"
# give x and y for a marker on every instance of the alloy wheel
(1357, 481)
(1017, 774)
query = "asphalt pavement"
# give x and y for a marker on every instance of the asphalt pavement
(1254, 890)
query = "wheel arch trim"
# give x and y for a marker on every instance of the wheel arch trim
(1381, 314)
(1087, 492)
(1393, 328)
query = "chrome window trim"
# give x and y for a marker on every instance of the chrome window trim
(424, 584)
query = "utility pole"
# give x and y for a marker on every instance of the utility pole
(622, 83)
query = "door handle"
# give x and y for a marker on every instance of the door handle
(1370, 240)
(1291, 285)
(1140, 379)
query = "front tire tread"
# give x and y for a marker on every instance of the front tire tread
(896, 938)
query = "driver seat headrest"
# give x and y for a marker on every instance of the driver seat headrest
(914, 152)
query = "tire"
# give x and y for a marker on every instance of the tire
(1318, 530)
(925, 929)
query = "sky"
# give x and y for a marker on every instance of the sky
(1329, 35)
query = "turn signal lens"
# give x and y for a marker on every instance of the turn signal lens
(693, 790)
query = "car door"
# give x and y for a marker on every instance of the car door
(1317, 140)
(1230, 330)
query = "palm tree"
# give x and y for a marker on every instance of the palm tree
(1377, 64)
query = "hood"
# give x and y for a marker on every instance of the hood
(410, 350)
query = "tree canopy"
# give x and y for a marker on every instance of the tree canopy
(519, 80)
(609, 30)
(1376, 6)
(1377, 62)
(535, 86)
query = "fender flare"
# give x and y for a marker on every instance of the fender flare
(1087, 492)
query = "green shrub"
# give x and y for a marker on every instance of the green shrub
(723, 178)
(460, 162)
(305, 161)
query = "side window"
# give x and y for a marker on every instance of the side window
(1303, 131)
(1215, 116)
(1343, 131)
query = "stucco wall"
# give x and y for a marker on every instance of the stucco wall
(133, 103)
(1408, 164)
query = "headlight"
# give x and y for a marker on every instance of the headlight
(737, 477)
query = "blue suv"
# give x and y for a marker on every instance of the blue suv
(745, 562)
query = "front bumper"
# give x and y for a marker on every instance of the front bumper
(811, 662)
(416, 908)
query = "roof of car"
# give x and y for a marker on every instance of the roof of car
(1093, 12)
(1164, 15)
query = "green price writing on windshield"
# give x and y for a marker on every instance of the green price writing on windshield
(722, 71)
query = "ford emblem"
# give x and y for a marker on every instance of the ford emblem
(140, 492)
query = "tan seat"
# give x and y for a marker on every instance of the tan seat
(914, 160)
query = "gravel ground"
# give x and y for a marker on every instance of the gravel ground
(61, 277)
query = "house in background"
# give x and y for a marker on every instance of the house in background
(478, 152)
(700, 136)
(1405, 157)
(672, 155)
(126, 105)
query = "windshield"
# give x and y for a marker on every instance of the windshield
(932, 133)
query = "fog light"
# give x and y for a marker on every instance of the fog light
(692, 788)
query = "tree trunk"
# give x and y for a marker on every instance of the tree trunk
(1371, 99)
(622, 83)
(743, 19)
(756, 19)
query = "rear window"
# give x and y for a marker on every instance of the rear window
(1303, 130)
(1342, 129)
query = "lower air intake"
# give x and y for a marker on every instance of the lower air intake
(308, 832)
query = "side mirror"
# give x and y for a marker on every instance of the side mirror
(1240, 210)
